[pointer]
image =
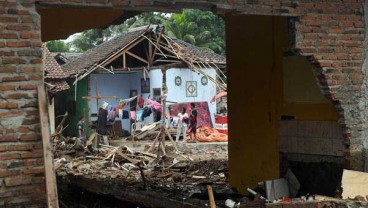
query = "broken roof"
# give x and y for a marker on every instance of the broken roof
(97, 55)
(53, 74)
(195, 53)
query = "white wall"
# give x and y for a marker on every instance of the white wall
(178, 93)
(114, 85)
(120, 85)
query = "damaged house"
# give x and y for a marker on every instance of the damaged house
(133, 64)
(297, 88)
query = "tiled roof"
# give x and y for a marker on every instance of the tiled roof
(103, 51)
(56, 86)
(194, 53)
(54, 75)
(52, 68)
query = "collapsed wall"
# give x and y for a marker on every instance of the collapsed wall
(331, 33)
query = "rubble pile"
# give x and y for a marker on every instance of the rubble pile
(176, 173)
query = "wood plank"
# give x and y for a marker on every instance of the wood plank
(99, 97)
(137, 57)
(211, 197)
(52, 195)
(354, 183)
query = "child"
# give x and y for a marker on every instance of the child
(193, 123)
(80, 126)
(182, 124)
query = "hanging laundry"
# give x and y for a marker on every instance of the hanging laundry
(120, 113)
(155, 105)
(125, 115)
(141, 102)
(139, 114)
(132, 115)
(104, 105)
(111, 115)
(146, 112)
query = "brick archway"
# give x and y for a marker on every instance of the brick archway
(332, 33)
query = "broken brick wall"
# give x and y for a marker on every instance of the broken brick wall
(21, 163)
(331, 33)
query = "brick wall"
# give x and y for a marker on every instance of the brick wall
(21, 163)
(330, 33)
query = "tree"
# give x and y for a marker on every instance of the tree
(90, 39)
(200, 28)
(57, 46)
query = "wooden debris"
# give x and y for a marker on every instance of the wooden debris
(52, 195)
(211, 197)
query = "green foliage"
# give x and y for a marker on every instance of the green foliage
(57, 46)
(90, 39)
(201, 28)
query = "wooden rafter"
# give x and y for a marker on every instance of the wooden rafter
(137, 57)
(112, 57)
(157, 44)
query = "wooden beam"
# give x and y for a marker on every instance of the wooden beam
(137, 57)
(211, 197)
(124, 60)
(99, 97)
(52, 195)
(157, 44)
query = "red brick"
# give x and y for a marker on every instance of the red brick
(30, 69)
(14, 60)
(36, 61)
(8, 69)
(8, 173)
(33, 171)
(31, 121)
(30, 104)
(32, 113)
(9, 156)
(26, 20)
(16, 96)
(22, 147)
(335, 31)
(23, 130)
(8, 138)
(7, 87)
(8, 19)
(8, 105)
(14, 79)
(31, 137)
(29, 35)
(3, 148)
(28, 86)
(346, 24)
(8, 36)
(19, 27)
(11, 113)
(33, 154)
(33, 77)
(32, 162)
(18, 44)
(18, 180)
(7, 53)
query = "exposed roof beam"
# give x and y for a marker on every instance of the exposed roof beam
(137, 57)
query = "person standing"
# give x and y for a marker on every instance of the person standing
(81, 130)
(193, 123)
(182, 124)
